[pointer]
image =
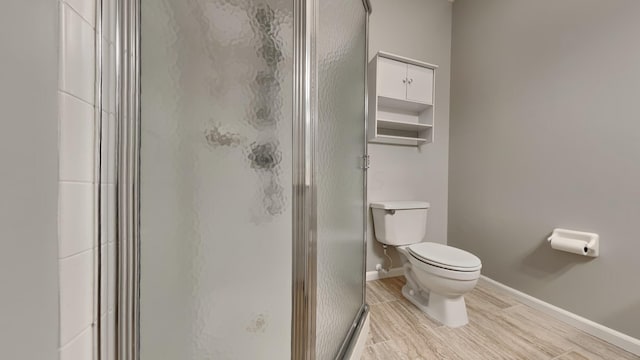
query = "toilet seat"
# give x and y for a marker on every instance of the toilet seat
(445, 257)
(419, 265)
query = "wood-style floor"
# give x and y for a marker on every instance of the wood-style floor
(499, 328)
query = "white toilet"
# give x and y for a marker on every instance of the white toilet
(437, 275)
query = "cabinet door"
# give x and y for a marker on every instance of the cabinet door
(419, 84)
(392, 78)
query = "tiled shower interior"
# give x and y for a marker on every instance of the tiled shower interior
(86, 121)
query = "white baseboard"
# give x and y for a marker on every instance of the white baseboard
(617, 338)
(375, 274)
(361, 342)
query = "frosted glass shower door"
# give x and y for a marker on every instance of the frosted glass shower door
(341, 61)
(216, 155)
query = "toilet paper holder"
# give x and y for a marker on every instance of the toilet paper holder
(577, 242)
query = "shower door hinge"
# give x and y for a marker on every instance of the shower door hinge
(366, 160)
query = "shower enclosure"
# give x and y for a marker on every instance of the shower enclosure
(240, 157)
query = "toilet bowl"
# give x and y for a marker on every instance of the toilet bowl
(438, 288)
(437, 275)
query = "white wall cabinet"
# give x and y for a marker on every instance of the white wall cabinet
(392, 77)
(419, 84)
(401, 106)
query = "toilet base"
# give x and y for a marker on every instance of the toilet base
(450, 311)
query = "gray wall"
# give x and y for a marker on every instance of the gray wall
(29, 180)
(419, 29)
(545, 133)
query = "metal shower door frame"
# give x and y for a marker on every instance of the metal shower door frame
(305, 254)
(127, 168)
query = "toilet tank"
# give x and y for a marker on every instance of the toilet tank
(400, 222)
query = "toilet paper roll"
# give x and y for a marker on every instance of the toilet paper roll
(569, 245)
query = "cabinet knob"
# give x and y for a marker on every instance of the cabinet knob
(410, 81)
(404, 81)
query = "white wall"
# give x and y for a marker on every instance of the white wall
(28, 191)
(419, 29)
(545, 133)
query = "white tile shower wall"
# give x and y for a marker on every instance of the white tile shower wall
(77, 54)
(76, 302)
(77, 183)
(76, 225)
(79, 349)
(86, 9)
(76, 164)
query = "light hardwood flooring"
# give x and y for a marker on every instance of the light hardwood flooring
(499, 328)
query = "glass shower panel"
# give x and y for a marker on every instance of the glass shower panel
(341, 59)
(216, 155)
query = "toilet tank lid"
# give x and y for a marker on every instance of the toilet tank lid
(400, 205)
